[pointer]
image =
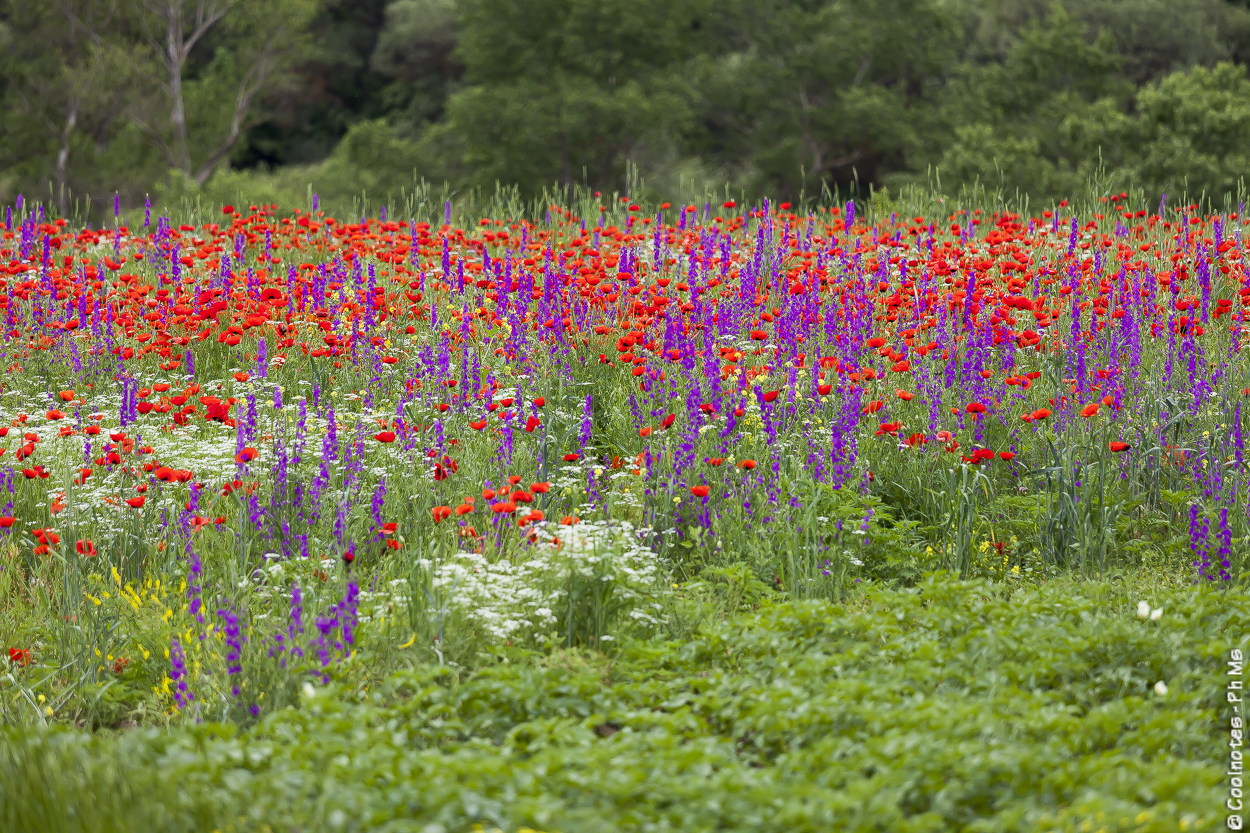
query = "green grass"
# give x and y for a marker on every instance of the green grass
(948, 706)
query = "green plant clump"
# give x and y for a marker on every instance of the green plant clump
(952, 705)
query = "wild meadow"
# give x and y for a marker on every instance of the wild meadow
(603, 513)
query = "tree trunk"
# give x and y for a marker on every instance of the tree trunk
(175, 57)
(62, 156)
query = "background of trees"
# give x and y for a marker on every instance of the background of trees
(174, 98)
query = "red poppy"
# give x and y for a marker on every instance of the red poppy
(464, 509)
(1040, 413)
(975, 408)
(1006, 455)
(19, 656)
(571, 458)
(478, 425)
(1090, 410)
(7, 521)
(904, 395)
(504, 508)
(85, 548)
(1117, 446)
(747, 464)
(771, 396)
(645, 432)
(385, 436)
(135, 502)
(441, 513)
(247, 455)
(699, 491)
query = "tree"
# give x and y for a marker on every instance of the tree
(1009, 120)
(209, 59)
(1185, 134)
(65, 86)
(416, 52)
(823, 92)
(566, 90)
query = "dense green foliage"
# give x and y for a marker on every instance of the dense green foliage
(775, 97)
(950, 706)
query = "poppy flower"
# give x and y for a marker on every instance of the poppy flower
(571, 458)
(441, 513)
(874, 406)
(464, 509)
(644, 432)
(824, 390)
(539, 402)
(747, 464)
(901, 367)
(385, 436)
(67, 395)
(245, 456)
(7, 521)
(504, 507)
(714, 461)
(54, 415)
(532, 423)
(1116, 445)
(349, 557)
(1006, 455)
(135, 502)
(1040, 414)
(19, 656)
(975, 408)
(85, 548)
(1090, 410)
(904, 395)
(668, 421)
(242, 376)
(758, 335)
(478, 425)
(699, 491)
(771, 396)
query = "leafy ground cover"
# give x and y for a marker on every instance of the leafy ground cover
(501, 490)
(947, 706)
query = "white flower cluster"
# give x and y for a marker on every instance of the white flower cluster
(524, 597)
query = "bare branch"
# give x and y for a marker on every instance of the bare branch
(203, 23)
(242, 101)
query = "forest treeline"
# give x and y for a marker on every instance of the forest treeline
(165, 98)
